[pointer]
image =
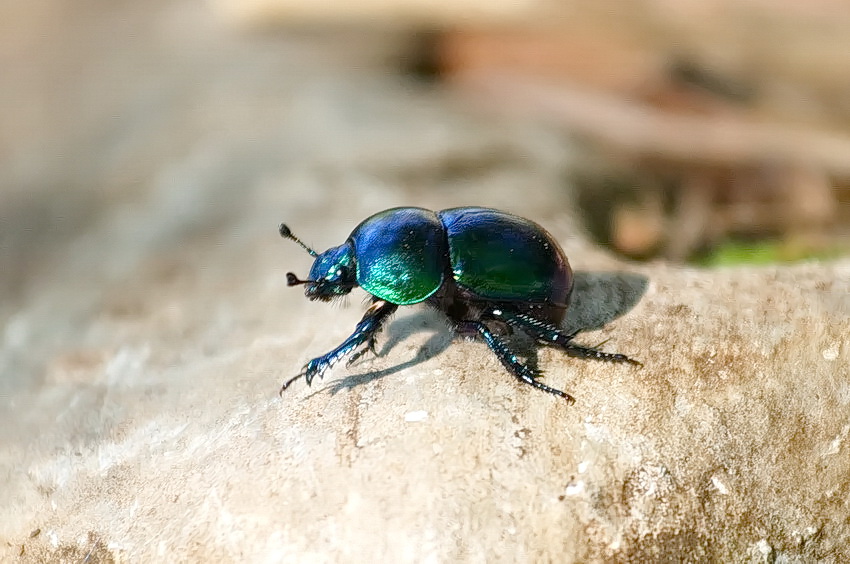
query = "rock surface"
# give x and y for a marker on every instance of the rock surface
(147, 326)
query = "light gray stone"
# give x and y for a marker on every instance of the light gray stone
(146, 327)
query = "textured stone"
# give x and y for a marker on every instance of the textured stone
(147, 326)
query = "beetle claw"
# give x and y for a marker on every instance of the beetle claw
(308, 372)
(315, 367)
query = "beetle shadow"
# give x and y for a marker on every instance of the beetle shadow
(597, 299)
(600, 297)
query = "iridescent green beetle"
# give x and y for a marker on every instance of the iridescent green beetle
(489, 271)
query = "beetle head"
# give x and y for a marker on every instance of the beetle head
(332, 274)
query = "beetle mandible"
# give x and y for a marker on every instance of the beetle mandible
(487, 270)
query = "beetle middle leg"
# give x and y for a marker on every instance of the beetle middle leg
(365, 332)
(510, 361)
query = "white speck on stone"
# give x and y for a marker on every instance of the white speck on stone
(764, 548)
(682, 405)
(415, 416)
(801, 537)
(354, 504)
(497, 312)
(721, 487)
(831, 352)
(835, 444)
(582, 467)
(598, 433)
(438, 371)
(574, 488)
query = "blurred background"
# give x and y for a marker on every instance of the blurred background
(711, 132)
(706, 131)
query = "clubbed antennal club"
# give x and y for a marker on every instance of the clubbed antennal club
(292, 280)
(287, 234)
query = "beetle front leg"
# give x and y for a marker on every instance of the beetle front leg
(369, 348)
(365, 332)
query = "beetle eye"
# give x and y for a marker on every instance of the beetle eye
(338, 277)
(336, 274)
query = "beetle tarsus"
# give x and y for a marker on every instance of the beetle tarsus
(577, 351)
(289, 382)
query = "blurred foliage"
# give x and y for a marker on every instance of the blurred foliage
(732, 252)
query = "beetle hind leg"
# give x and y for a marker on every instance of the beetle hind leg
(548, 334)
(509, 360)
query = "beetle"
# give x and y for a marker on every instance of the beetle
(488, 271)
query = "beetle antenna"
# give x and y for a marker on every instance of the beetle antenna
(287, 234)
(292, 280)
